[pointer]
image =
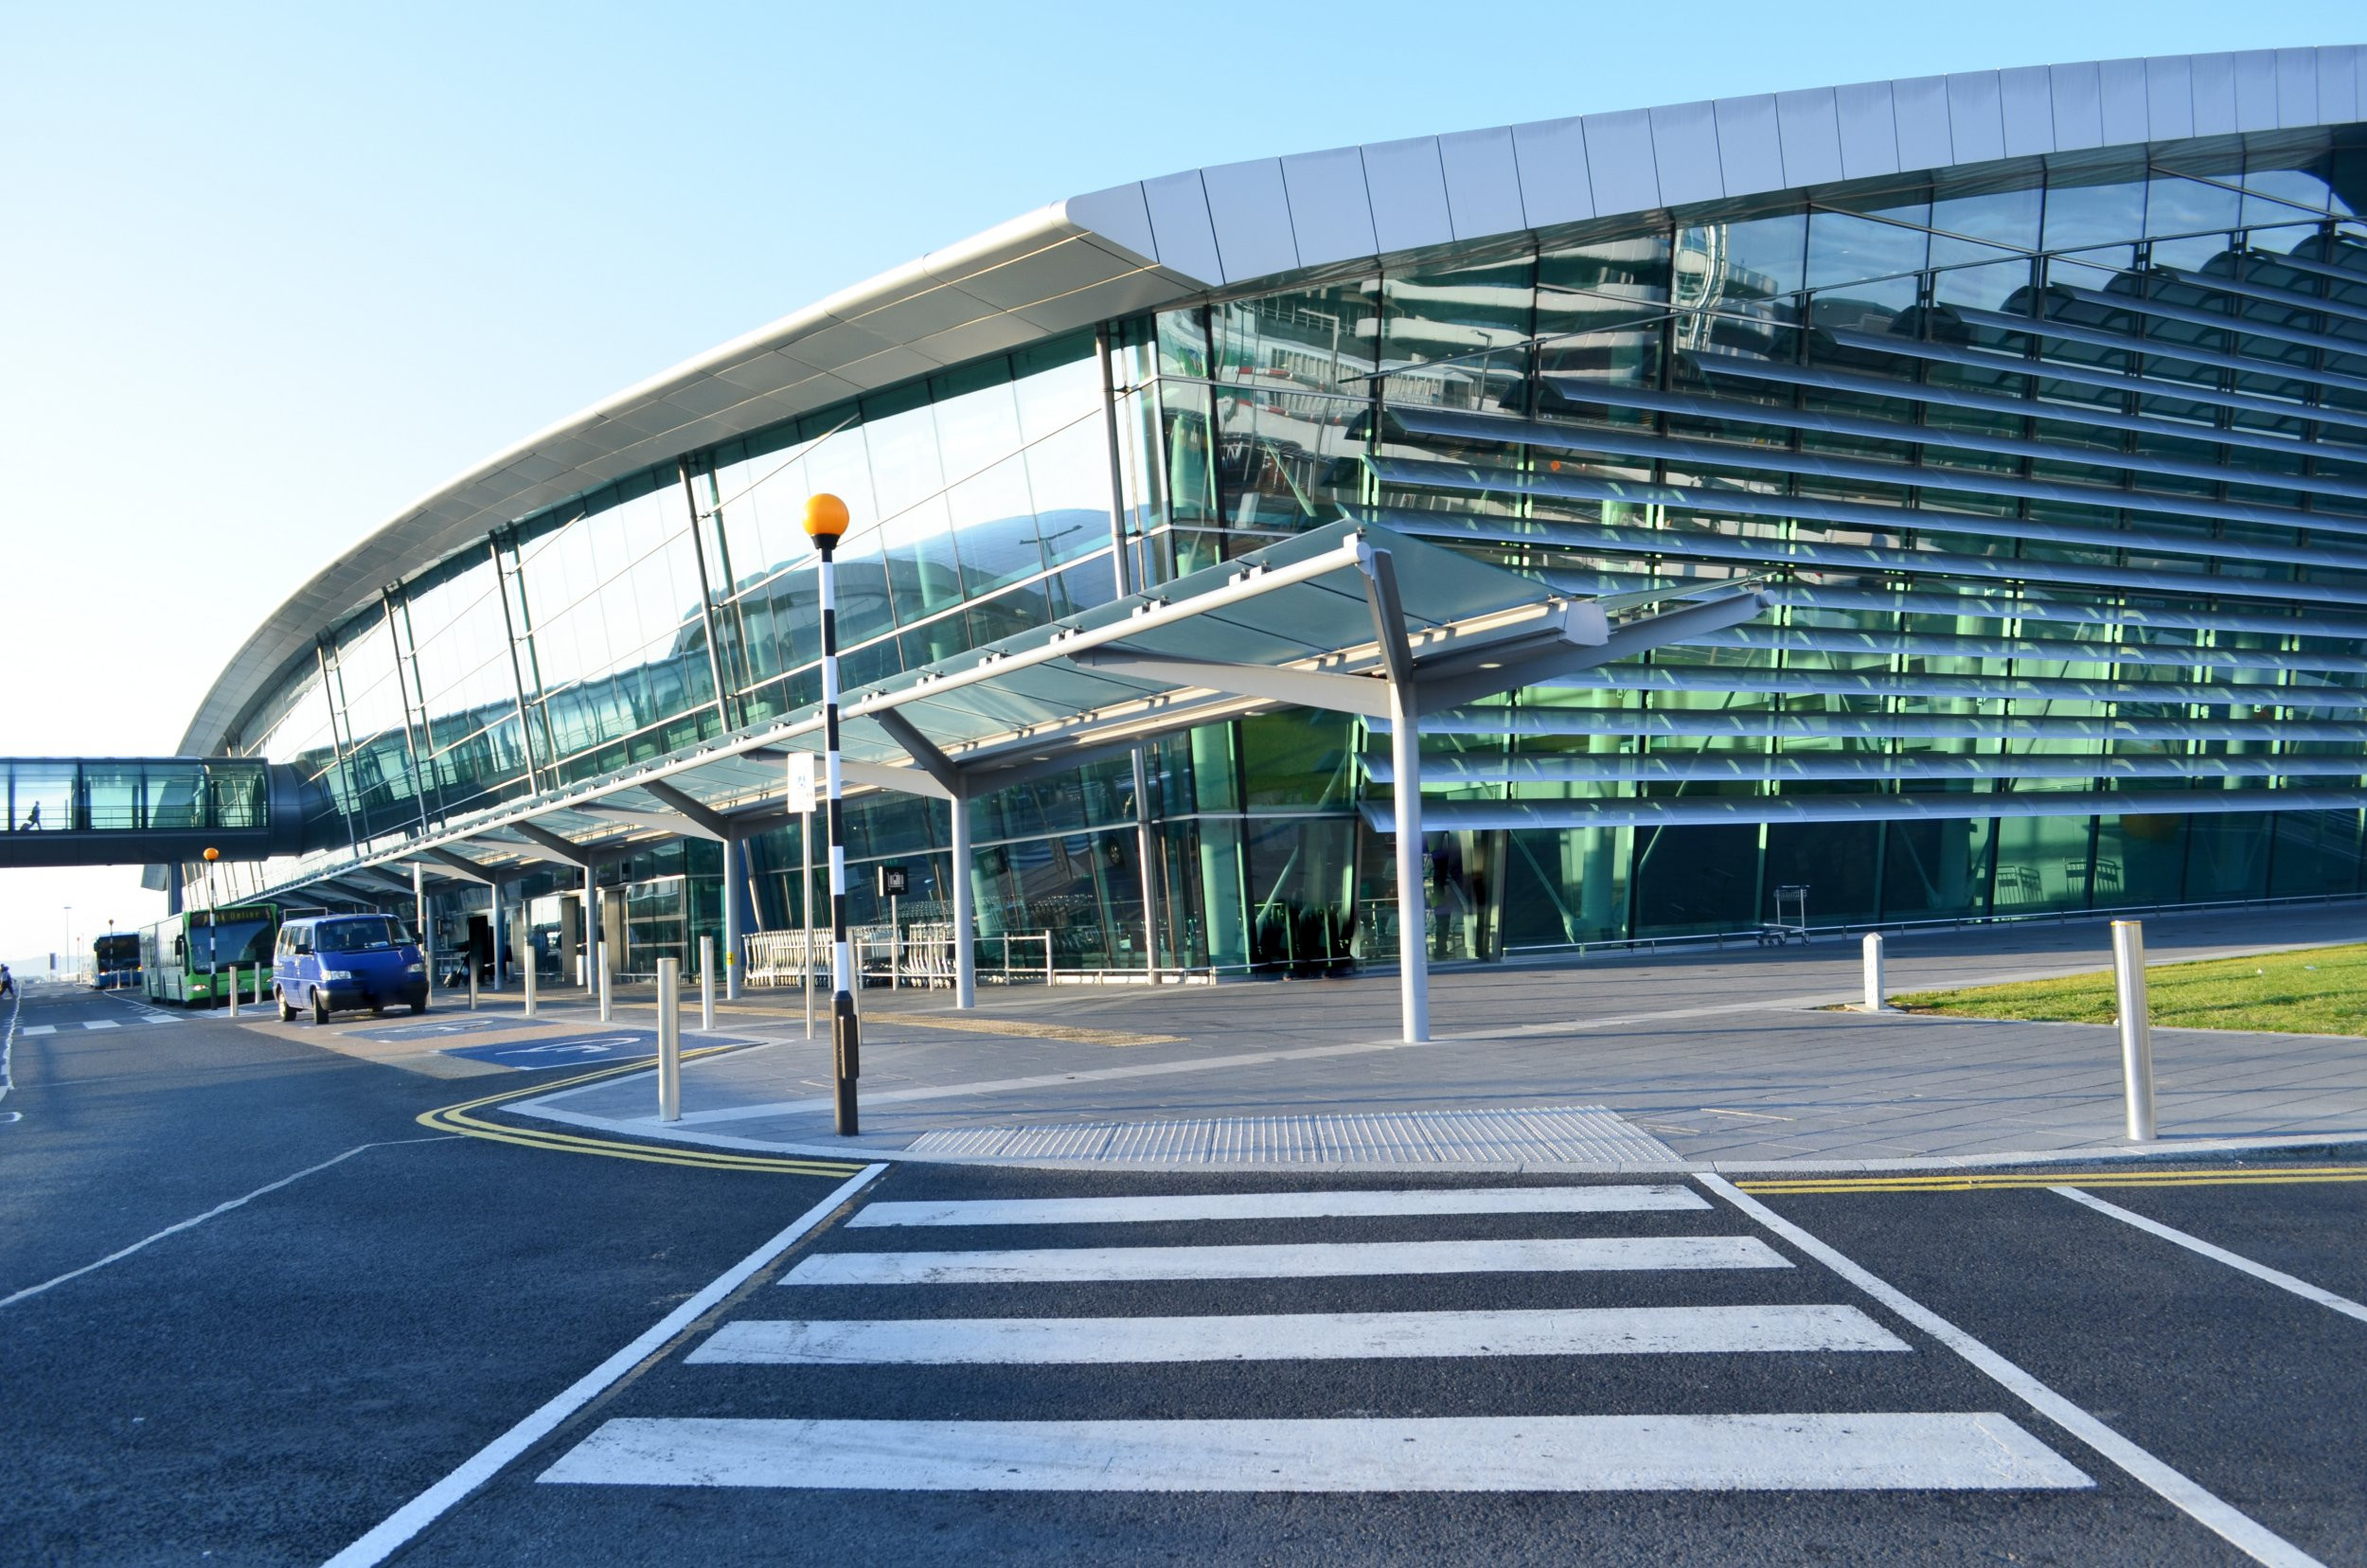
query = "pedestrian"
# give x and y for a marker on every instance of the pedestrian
(32, 818)
(8, 981)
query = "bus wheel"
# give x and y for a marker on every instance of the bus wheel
(320, 1006)
(287, 1009)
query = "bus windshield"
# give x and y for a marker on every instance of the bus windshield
(362, 933)
(231, 942)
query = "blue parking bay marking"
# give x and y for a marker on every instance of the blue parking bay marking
(574, 1050)
(436, 1029)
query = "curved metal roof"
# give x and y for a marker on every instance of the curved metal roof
(1157, 242)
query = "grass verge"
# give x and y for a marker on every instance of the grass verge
(2314, 991)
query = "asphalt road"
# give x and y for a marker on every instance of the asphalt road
(264, 1386)
(269, 1386)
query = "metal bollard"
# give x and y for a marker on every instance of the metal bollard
(1875, 997)
(599, 960)
(233, 990)
(529, 984)
(2128, 985)
(258, 985)
(706, 985)
(669, 1040)
(473, 982)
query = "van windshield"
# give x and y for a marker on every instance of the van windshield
(364, 933)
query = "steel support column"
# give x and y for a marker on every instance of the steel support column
(1405, 755)
(734, 890)
(964, 915)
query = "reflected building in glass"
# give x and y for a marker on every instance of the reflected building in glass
(2035, 400)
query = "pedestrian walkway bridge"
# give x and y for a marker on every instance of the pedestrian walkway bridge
(89, 811)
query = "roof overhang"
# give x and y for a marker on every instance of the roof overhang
(1338, 619)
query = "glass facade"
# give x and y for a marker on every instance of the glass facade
(2055, 471)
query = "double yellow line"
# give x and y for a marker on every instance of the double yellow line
(1974, 1181)
(457, 1118)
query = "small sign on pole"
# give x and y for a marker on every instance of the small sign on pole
(895, 881)
(803, 786)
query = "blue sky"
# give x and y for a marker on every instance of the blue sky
(268, 273)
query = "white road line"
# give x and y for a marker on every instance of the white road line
(214, 1213)
(2277, 1277)
(1309, 1336)
(398, 1527)
(1073, 1265)
(2229, 1524)
(1281, 1206)
(100, 1024)
(7, 1046)
(32, 1029)
(1981, 1452)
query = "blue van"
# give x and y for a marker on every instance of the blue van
(336, 963)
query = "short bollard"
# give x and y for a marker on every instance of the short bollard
(706, 985)
(669, 1040)
(1875, 1000)
(600, 959)
(473, 982)
(2128, 985)
(233, 990)
(529, 978)
(258, 985)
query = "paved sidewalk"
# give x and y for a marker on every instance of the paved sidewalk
(1723, 1061)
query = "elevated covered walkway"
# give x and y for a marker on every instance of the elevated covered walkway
(145, 810)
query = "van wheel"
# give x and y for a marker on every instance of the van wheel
(320, 1006)
(421, 1005)
(287, 1009)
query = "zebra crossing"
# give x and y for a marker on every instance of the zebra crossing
(1326, 1303)
(37, 1029)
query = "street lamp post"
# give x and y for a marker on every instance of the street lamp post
(825, 525)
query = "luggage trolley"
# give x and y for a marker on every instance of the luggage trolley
(1793, 899)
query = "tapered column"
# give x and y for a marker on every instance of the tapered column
(735, 855)
(965, 913)
(1405, 755)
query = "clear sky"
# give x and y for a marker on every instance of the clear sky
(270, 273)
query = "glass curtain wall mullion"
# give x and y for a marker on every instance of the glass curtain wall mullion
(340, 745)
(517, 675)
(716, 673)
(426, 775)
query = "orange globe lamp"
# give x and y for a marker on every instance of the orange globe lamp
(825, 519)
(213, 854)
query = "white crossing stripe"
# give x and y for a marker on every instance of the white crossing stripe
(1313, 1336)
(1070, 1265)
(1281, 1206)
(1543, 1453)
(100, 1024)
(38, 1029)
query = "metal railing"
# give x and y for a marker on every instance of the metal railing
(919, 953)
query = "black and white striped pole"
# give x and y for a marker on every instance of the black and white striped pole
(825, 525)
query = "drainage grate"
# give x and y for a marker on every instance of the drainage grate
(1558, 1134)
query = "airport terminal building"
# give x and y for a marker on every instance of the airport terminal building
(1961, 483)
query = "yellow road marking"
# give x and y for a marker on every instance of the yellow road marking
(1019, 1030)
(2009, 1182)
(457, 1118)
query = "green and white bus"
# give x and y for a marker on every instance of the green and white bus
(187, 958)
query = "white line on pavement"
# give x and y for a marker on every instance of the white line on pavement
(2229, 1524)
(1072, 1265)
(7, 1049)
(1629, 1198)
(214, 1213)
(32, 1029)
(481, 1466)
(1551, 1453)
(2282, 1280)
(100, 1024)
(1304, 1336)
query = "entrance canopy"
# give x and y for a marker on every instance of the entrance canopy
(1353, 619)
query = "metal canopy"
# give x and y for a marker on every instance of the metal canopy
(1354, 619)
